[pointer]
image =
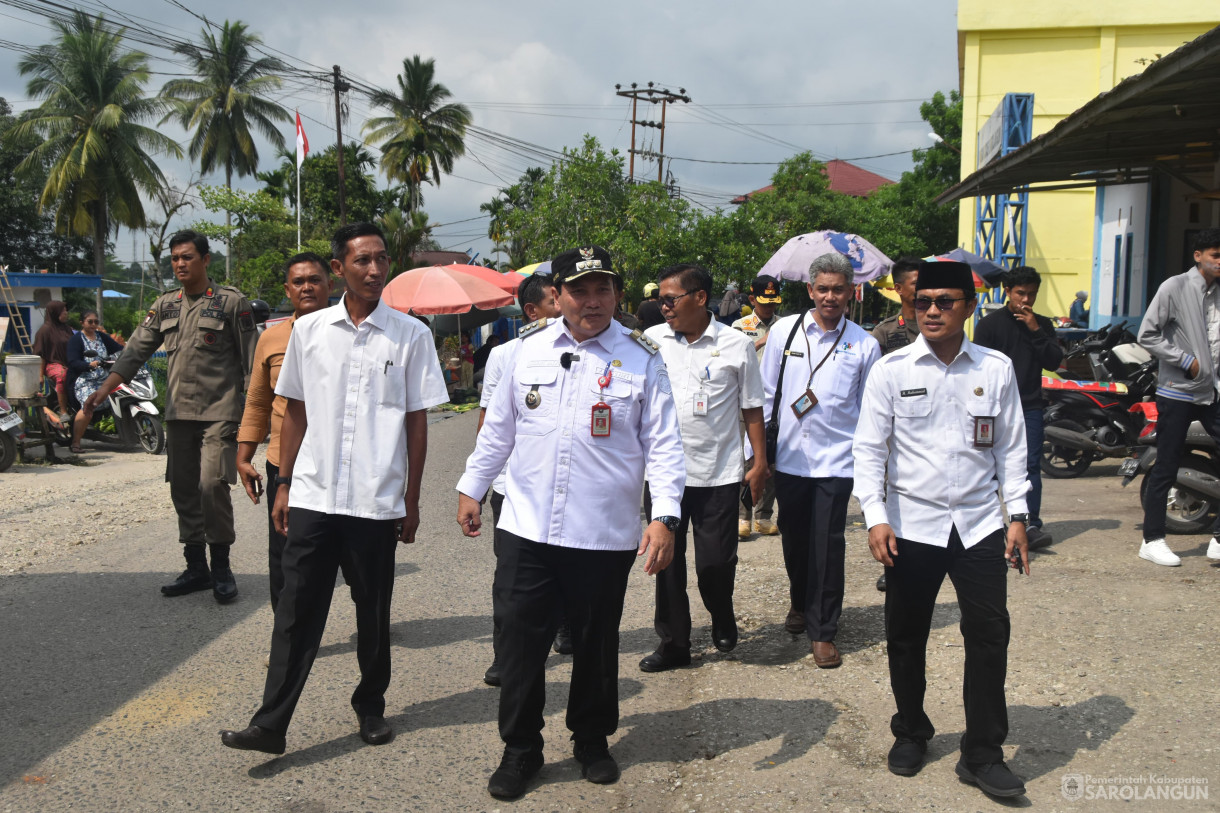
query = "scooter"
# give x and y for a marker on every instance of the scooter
(12, 433)
(1092, 420)
(136, 418)
(1194, 498)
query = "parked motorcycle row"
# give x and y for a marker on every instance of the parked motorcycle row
(1104, 406)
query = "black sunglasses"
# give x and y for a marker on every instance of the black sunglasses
(670, 301)
(944, 303)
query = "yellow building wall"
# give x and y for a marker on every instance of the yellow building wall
(1064, 53)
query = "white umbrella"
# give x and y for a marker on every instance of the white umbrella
(792, 261)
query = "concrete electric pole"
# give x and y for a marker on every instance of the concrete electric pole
(653, 95)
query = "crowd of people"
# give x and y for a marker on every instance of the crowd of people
(709, 421)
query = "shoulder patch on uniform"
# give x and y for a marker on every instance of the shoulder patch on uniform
(152, 314)
(645, 342)
(246, 320)
(532, 327)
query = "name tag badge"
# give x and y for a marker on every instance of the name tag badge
(806, 402)
(599, 425)
(700, 402)
(984, 432)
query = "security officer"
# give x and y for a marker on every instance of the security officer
(941, 439)
(209, 336)
(585, 409)
(765, 299)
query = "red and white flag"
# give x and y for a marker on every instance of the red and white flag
(302, 143)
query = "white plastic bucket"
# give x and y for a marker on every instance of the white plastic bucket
(21, 378)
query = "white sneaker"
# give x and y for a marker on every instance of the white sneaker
(1213, 549)
(1159, 553)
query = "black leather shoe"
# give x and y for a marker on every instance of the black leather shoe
(724, 633)
(992, 777)
(596, 764)
(224, 586)
(795, 622)
(563, 640)
(881, 582)
(192, 580)
(254, 738)
(492, 676)
(1038, 538)
(906, 756)
(660, 662)
(375, 730)
(514, 774)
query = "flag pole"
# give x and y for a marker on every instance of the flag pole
(298, 205)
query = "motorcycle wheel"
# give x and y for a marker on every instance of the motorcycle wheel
(1060, 462)
(1186, 513)
(150, 432)
(8, 451)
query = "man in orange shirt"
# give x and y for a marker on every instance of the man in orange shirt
(307, 286)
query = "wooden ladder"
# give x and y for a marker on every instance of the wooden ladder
(10, 303)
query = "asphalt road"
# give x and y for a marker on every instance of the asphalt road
(112, 697)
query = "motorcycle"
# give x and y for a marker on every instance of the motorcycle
(1091, 420)
(1108, 354)
(12, 433)
(1194, 497)
(130, 408)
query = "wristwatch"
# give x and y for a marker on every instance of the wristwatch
(671, 523)
(283, 481)
(1021, 518)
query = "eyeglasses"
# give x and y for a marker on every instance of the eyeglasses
(670, 301)
(91, 322)
(944, 303)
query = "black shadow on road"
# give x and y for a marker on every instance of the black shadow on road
(1065, 530)
(77, 646)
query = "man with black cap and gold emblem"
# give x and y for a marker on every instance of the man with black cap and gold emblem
(582, 414)
(942, 418)
(765, 299)
(209, 336)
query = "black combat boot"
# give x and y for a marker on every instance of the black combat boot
(224, 586)
(194, 578)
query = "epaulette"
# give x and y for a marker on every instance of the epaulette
(643, 341)
(532, 327)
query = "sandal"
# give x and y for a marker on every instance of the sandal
(55, 420)
(76, 449)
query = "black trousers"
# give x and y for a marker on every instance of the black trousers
(812, 521)
(532, 582)
(318, 544)
(1173, 421)
(497, 505)
(275, 540)
(713, 513)
(979, 577)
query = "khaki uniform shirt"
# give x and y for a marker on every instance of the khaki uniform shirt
(209, 345)
(754, 327)
(895, 332)
(263, 407)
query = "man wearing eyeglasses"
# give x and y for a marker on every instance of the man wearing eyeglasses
(1029, 341)
(941, 425)
(716, 384)
(818, 362)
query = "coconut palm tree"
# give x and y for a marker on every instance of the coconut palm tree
(225, 101)
(405, 232)
(422, 135)
(97, 155)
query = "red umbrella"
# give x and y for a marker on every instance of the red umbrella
(507, 281)
(434, 290)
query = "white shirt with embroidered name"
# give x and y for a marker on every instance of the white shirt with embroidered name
(358, 383)
(918, 420)
(819, 443)
(564, 486)
(498, 360)
(721, 366)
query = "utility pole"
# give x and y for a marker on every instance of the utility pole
(340, 87)
(654, 95)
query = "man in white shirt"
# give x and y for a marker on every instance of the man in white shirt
(537, 301)
(824, 359)
(943, 418)
(583, 413)
(714, 374)
(358, 378)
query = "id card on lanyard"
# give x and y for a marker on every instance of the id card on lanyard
(599, 420)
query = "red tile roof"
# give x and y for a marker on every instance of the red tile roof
(846, 178)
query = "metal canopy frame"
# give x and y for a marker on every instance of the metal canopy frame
(1166, 119)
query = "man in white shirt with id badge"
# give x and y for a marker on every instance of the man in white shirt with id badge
(942, 419)
(813, 372)
(713, 370)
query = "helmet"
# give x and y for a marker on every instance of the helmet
(262, 311)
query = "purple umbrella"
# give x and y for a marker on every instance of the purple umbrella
(792, 260)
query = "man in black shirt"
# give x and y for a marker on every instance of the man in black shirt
(1029, 341)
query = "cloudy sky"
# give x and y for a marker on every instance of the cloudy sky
(766, 79)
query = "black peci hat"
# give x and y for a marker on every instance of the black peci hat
(934, 275)
(578, 262)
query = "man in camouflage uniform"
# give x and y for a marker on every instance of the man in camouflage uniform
(764, 300)
(209, 336)
(900, 329)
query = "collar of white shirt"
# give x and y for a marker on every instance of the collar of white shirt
(710, 332)
(377, 317)
(606, 339)
(920, 350)
(814, 329)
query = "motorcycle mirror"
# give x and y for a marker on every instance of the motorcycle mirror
(90, 354)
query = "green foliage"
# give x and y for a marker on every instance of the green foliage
(320, 188)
